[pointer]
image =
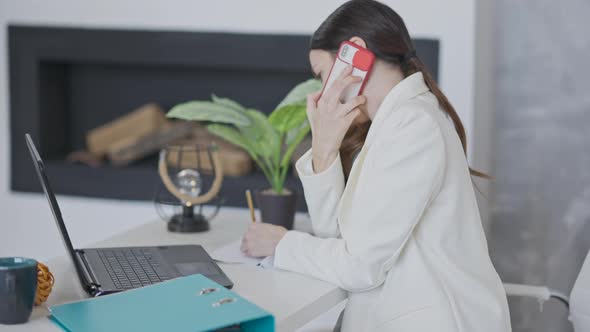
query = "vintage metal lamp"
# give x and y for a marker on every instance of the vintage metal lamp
(182, 171)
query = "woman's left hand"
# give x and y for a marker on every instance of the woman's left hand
(261, 239)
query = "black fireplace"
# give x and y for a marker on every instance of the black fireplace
(65, 81)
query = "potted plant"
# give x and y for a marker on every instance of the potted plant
(270, 141)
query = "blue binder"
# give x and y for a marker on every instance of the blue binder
(193, 303)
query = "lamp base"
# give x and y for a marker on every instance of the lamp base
(188, 222)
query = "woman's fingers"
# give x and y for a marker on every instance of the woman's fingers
(340, 85)
(353, 104)
(312, 100)
(330, 118)
(350, 116)
(332, 94)
(346, 72)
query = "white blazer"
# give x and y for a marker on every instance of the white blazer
(403, 236)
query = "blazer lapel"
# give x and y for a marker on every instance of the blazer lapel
(407, 89)
(345, 199)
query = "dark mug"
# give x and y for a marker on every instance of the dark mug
(18, 285)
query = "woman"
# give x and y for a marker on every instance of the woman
(403, 234)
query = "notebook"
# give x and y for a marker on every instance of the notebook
(231, 254)
(192, 303)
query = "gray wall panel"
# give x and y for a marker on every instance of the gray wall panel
(540, 228)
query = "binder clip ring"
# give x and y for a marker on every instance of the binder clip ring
(206, 291)
(224, 301)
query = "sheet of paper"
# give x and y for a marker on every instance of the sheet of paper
(232, 254)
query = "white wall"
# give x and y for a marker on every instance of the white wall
(25, 222)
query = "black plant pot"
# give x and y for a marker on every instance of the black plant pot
(277, 209)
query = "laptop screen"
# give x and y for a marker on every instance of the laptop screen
(40, 168)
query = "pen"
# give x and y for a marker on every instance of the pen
(250, 205)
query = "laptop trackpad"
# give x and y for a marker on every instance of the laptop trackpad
(204, 268)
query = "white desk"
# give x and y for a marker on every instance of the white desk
(292, 298)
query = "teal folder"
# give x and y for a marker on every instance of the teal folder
(193, 303)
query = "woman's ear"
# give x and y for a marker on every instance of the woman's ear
(359, 41)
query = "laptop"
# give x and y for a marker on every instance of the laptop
(104, 271)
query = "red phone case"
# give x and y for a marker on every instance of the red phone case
(361, 60)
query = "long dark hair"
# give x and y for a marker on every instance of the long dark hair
(386, 35)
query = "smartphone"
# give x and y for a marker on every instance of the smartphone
(361, 60)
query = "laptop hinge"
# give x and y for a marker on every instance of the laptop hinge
(87, 270)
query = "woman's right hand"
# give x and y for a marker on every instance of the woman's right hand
(330, 119)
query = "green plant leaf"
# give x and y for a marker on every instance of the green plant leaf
(208, 111)
(261, 133)
(301, 133)
(299, 93)
(270, 141)
(293, 133)
(288, 117)
(257, 149)
(231, 135)
(228, 102)
(259, 125)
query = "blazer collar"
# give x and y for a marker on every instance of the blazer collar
(409, 88)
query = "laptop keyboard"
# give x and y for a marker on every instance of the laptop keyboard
(132, 268)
